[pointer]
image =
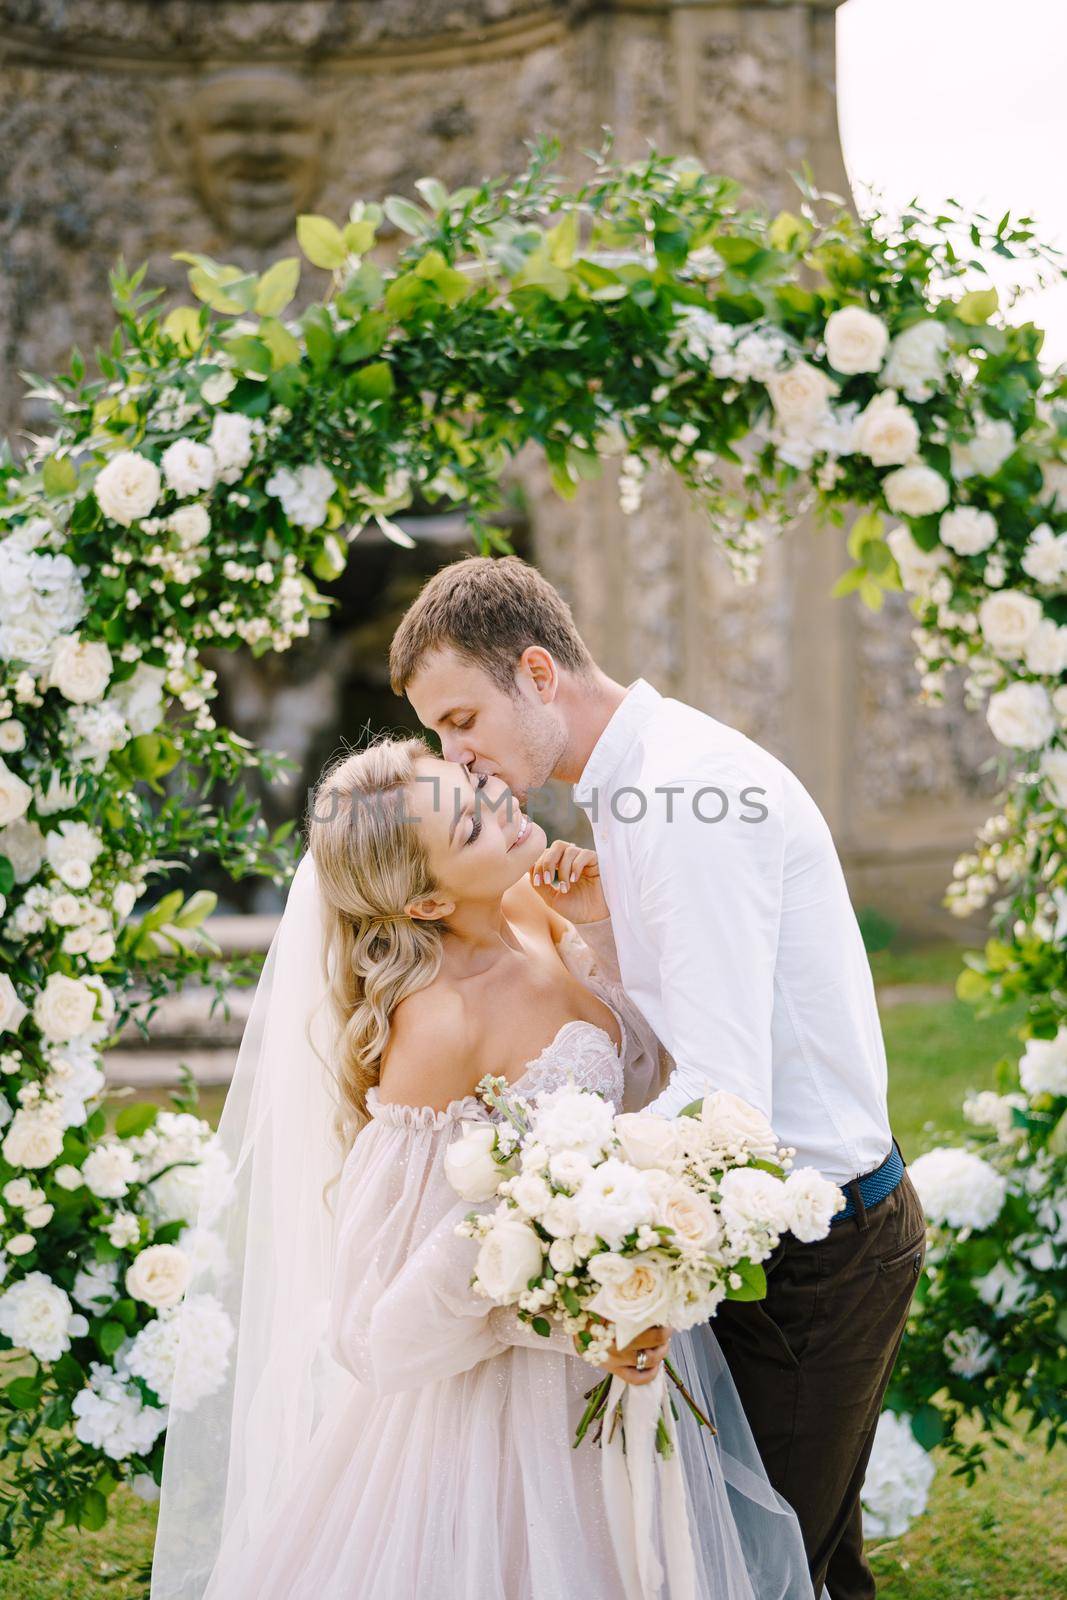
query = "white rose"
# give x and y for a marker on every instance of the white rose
(64, 1008)
(127, 488)
(80, 669)
(915, 491)
(800, 395)
(647, 1141)
(573, 1119)
(510, 1255)
(734, 1121)
(985, 452)
(12, 736)
(915, 363)
(1045, 556)
(15, 796)
(809, 1201)
(34, 1139)
(36, 1315)
(886, 431)
(561, 1255)
(918, 567)
(469, 1164)
(967, 530)
(231, 442)
(159, 1275)
(634, 1294)
(1008, 619)
(190, 525)
(188, 467)
(856, 340)
(1054, 772)
(139, 698)
(1045, 651)
(12, 1009)
(58, 796)
(691, 1216)
(1021, 716)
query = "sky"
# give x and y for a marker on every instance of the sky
(963, 98)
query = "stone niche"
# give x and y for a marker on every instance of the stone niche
(141, 127)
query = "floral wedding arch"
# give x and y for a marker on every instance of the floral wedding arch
(197, 491)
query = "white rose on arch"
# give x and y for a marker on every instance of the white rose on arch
(128, 487)
(15, 795)
(80, 668)
(968, 530)
(800, 395)
(1008, 620)
(918, 567)
(856, 340)
(64, 1008)
(188, 467)
(1021, 716)
(985, 452)
(916, 361)
(1045, 556)
(915, 490)
(886, 432)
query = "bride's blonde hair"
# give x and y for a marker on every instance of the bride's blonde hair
(370, 862)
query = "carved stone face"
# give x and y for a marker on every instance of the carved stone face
(253, 145)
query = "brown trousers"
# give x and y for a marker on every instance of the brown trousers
(812, 1362)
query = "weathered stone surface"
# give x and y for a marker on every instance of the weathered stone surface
(140, 127)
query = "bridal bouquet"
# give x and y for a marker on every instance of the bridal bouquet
(613, 1224)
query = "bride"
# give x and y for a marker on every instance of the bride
(383, 1433)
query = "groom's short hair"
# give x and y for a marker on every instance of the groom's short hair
(488, 609)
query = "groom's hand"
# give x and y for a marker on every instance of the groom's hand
(568, 879)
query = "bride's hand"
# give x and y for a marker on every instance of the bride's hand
(656, 1342)
(568, 879)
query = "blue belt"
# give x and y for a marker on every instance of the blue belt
(873, 1186)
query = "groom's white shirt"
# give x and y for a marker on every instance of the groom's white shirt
(737, 938)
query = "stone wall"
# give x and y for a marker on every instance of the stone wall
(139, 127)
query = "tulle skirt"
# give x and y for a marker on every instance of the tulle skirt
(469, 1488)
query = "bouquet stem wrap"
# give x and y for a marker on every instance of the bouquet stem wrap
(632, 1472)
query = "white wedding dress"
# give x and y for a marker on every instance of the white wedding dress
(446, 1471)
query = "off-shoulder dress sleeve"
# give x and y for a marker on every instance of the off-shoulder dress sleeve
(403, 1312)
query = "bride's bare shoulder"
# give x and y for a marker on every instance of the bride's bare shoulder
(429, 1059)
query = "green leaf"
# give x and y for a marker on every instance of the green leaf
(847, 582)
(542, 1326)
(60, 475)
(196, 908)
(928, 1426)
(753, 1282)
(23, 1393)
(7, 876)
(250, 354)
(320, 345)
(109, 1336)
(321, 241)
(358, 237)
(280, 342)
(433, 192)
(133, 1120)
(374, 382)
(328, 563)
(92, 1510)
(1057, 1139)
(277, 287)
(788, 232)
(867, 528)
(183, 326)
(971, 986)
(977, 307)
(365, 339)
(406, 216)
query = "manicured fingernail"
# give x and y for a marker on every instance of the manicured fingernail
(574, 877)
(564, 887)
(537, 877)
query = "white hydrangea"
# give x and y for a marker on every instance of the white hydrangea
(96, 1285)
(139, 699)
(109, 1169)
(71, 849)
(1043, 1067)
(1045, 556)
(613, 1201)
(897, 1481)
(152, 1354)
(958, 1188)
(304, 494)
(990, 1110)
(967, 530)
(112, 1416)
(970, 1352)
(570, 1119)
(23, 843)
(36, 1315)
(1005, 1289)
(231, 443)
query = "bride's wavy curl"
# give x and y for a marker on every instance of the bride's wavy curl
(370, 863)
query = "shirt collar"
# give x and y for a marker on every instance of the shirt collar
(624, 726)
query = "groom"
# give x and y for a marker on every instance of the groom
(737, 940)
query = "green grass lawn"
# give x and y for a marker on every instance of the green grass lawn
(1002, 1539)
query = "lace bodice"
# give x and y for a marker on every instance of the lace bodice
(582, 1053)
